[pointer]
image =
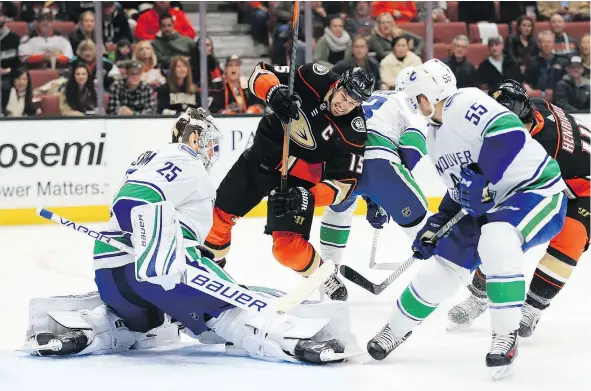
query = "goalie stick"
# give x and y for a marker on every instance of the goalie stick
(209, 283)
(355, 277)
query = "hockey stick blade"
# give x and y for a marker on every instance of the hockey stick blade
(386, 266)
(355, 277)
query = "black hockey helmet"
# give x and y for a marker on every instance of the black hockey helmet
(358, 83)
(513, 96)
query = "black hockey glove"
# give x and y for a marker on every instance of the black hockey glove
(284, 106)
(295, 200)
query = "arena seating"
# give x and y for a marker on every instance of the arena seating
(474, 32)
(42, 76)
(19, 28)
(445, 32)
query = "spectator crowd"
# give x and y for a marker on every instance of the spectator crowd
(151, 59)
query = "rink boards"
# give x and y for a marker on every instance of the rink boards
(74, 166)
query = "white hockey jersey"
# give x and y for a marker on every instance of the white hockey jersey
(469, 118)
(172, 173)
(393, 129)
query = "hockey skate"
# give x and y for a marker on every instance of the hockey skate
(52, 344)
(334, 288)
(462, 315)
(380, 346)
(530, 316)
(502, 352)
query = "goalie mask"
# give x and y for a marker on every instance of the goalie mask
(201, 123)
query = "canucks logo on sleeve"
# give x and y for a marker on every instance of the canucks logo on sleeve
(394, 132)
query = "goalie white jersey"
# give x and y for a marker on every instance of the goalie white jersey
(172, 173)
(470, 117)
(393, 130)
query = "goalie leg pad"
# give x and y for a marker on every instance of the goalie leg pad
(40, 307)
(158, 244)
(276, 338)
(142, 305)
(266, 338)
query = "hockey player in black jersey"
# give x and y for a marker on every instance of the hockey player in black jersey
(568, 141)
(325, 161)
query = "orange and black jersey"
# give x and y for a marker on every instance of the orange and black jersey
(336, 144)
(567, 141)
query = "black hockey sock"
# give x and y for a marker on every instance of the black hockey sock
(478, 285)
(542, 289)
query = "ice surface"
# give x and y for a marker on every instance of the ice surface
(50, 260)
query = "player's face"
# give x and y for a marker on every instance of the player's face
(341, 103)
(424, 106)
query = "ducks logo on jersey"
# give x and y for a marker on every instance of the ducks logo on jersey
(301, 133)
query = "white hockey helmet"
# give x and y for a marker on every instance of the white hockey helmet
(433, 79)
(201, 122)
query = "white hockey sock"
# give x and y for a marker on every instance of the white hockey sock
(437, 280)
(502, 262)
(334, 232)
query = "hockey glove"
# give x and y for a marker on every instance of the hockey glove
(376, 215)
(283, 105)
(295, 200)
(473, 192)
(423, 245)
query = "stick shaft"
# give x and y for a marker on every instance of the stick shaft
(209, 283)
(292, 69)
(374, 248)
(355, 277)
